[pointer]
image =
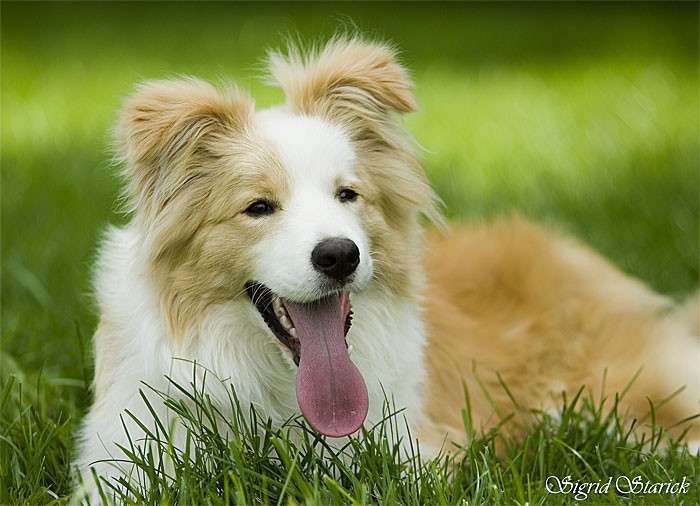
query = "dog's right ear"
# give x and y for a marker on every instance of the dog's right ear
(164, 122)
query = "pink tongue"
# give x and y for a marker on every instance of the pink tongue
(330, 390)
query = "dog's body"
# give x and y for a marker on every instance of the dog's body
(549, 316)
(253, 232)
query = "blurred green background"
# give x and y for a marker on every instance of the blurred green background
(584, 115)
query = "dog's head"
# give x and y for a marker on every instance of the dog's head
(296, 208)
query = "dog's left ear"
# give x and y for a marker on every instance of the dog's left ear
(353, 82)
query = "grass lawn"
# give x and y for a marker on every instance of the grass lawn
(583, 115)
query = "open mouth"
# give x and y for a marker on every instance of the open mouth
(274, 311)
(330, 390)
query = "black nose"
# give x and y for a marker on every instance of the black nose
(336, 258)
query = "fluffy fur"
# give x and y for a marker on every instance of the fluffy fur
(542, 310)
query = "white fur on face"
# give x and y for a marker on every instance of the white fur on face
(320, 161)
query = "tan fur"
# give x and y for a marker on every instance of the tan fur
(157, 129)
(347, 77)
(549, 316)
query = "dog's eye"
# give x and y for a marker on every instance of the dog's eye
(260, 208)
(347, 195)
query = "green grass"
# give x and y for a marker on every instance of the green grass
(584, 115)
(586, 442)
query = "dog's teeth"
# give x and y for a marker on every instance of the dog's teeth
(293, 332)
(278, 307)
(286, 323)
(350, 348)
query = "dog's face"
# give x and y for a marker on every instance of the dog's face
(295, 209)
(317, 240)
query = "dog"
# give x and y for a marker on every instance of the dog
(285, 251)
